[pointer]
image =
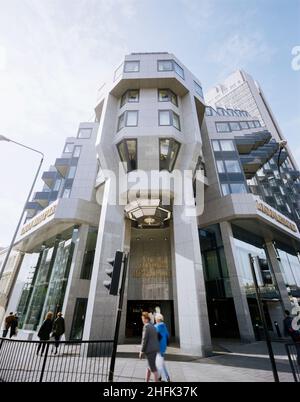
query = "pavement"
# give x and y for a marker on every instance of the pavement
(231, 362)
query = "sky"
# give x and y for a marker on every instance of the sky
(56, 54)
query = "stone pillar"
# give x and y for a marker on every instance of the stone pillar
(277, 271)
(76, 288)
(237, 286)
(126, 248)
(194, 329)
(101, 309)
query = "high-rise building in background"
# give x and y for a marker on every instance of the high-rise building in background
(193, 267)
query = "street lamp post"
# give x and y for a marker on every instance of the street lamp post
(3, 138)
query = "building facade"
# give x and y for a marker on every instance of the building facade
(189, 189)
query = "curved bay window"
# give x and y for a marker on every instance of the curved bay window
(168, 149)
(128, 153)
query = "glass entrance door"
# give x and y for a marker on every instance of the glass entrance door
(134, 325)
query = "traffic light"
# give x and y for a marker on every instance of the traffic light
(114, 273)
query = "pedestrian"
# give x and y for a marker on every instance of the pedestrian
(163, 337)
(58, 330)
(149, 346)
(7, 324)
(44, 332)
(293, 333)
(14, 326)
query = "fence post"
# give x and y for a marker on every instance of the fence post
(287, 347)
(44, 362)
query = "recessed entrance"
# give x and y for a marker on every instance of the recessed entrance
(134, 325)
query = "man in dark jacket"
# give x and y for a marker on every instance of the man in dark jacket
(44, 332)
(58, 330)
(7, 324)
(149, 347)
(293, 333)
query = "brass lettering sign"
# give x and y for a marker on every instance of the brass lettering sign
(153, 267)
(276, 216)
(39, 219)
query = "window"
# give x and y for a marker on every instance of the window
(57, 185)
(176, 121)
(225, 189)
(66, 193)
(131, 96)
(251, 124)
(170, 65)
(257, 123)
(78, 320)
(223, 127)
(121, 122)
(165, 65)
(128, 119)
(89, 254)
(235, 126)
(238, 188)
(68, 148)
(132, 118)
(198, 89)
(220, 167)
(166, 95)
(77, 151)
(85, 133)
(169, 118)
(244, 125)
(232, 166)
(216, 146)
(164, 118)
(168, 149)
(128, 153)
(132, 67)
(227, 145)
(178, 70)
(208, 111)
(72, 172)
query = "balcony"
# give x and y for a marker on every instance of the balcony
(62, 166)
(32, 208)
(49, 178)
(42, 198)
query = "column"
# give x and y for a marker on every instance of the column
(237, 286)
(193, 319)
(276, 269)
(101, 309)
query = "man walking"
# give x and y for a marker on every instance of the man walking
(149, 347)
(163, 337)
(8, 323)
(58, 330)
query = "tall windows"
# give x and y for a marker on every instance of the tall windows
(128, 153)
(168, 149)
(169, 118)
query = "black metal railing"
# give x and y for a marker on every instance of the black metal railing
(293, 352)
(32, 361)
